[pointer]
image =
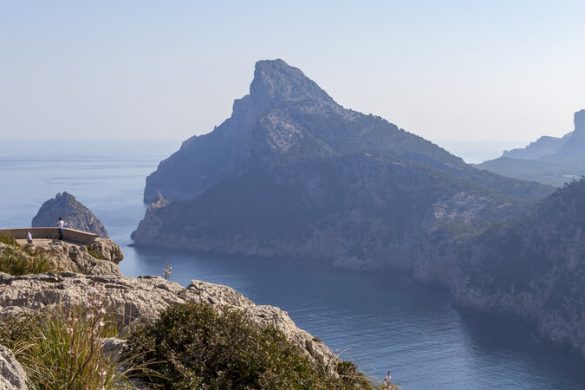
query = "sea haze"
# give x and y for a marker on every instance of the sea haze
(380, 320)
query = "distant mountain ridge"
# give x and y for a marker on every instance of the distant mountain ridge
(543, 147)
(293, 173)
(569, 147)
(549, 160)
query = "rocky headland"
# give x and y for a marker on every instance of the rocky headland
(549, 160)
(292, 173)
(74, 213)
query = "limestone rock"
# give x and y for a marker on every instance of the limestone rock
(142, 299)
(107, 250)
(76, 215)
(99, 258)
(12, 375)
(112, 347)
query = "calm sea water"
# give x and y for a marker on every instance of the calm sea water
(379, 320)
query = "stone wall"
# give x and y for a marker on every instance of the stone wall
(70, 235)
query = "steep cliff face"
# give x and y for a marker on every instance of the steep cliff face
(533, 268)
(574, 147)
(293, 173)
(75, 215)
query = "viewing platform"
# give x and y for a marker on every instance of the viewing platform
(52, 233)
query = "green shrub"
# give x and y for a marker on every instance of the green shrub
(195, 346)
(95, 254)
(61, 349)
(15, 261)
(7, 239)
(351, 377)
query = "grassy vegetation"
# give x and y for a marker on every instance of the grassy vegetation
(16, 261)
(194, 346)
(190, 346)
(7, 239)
(95, 254)
(61, 349)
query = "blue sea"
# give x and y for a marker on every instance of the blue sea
(380, 320)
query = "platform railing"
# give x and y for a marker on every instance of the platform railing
(71, 235)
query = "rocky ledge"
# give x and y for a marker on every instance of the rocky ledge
(99, 258)
(134, 300)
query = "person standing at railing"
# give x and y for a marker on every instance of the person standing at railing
(61, 226)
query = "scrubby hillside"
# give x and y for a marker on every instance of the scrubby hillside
(534, 267)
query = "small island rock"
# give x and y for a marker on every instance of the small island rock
(76, 215)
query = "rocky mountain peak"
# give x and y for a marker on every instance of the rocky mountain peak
(277, 82)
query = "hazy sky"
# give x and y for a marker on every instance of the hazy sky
(447, 70)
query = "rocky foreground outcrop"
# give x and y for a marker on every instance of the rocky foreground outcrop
(94, 277)
(12, 375)
(74, 213)
(134, 300)
(98, 258)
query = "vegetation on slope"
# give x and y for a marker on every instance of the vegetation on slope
(534, 267)
(548, 239)
(190, 346)
(17, 261)
(555, 173)
(194, 346)
(7, 239)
